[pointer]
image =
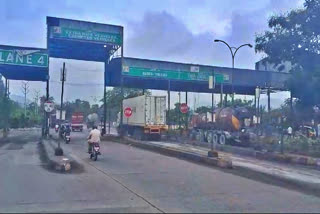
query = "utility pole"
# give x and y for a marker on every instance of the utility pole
(59, 151)
(221, 95)
(8, 86)
(212, 86)
(5, 99)
(168, 116)
(25, 91)
(179, 118)
(187, 118)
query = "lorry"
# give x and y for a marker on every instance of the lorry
(226, 126)
(92, 120)
(147, 119)
(77, 121)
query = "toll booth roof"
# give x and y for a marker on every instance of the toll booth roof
(162, 75)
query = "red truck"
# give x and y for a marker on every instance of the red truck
(77, 121)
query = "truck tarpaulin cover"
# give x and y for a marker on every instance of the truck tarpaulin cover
(23, 63)
(72, 39)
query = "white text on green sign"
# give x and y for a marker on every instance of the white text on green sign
(172, 74)
(24, 58)
(69, 33)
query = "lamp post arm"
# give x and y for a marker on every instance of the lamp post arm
(240, 47)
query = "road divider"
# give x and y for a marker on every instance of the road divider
(57, 163)
(222, 162)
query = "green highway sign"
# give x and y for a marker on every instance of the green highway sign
(96, 36)
(24, 58)
(173, 74)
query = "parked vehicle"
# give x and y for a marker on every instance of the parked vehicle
(77, 121)
(148, 119)
(92, 119)
(227, 125)
(308, 131)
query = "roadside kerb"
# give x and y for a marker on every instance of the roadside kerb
(270, 156)
(58, 163)
(221, 162)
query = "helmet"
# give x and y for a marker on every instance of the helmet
(94, 127)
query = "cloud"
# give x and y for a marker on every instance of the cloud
(161, 35)
(181, 31)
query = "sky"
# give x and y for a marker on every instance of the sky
(171, 30)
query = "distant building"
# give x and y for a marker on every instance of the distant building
(264, 65)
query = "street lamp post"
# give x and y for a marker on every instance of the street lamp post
(233, 51)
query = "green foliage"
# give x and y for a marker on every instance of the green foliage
(239, 103)
(76, 106)
(203, 109)
(175, 114)
(113, 99)
(294, 37)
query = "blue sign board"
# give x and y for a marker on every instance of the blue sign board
(22, 63)
(72, 39)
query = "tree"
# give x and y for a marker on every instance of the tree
(295, 37)
(1, 86)
(175, 114)
(36, 101)
(113, 99)
(203, 109)
(25, 91)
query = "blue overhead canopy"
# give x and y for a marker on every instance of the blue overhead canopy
(23, 63)
(72, 39)
(161, 75)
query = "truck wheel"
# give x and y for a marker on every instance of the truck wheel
(222, 139)
(215, 139)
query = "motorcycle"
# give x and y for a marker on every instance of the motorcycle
(95, 151)
(57, 129)
(67, 138)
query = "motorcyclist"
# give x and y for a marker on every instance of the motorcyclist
(67, 129)
(94, 137)
(57, 127)
(62, 130)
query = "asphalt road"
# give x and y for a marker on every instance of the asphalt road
(127, 179)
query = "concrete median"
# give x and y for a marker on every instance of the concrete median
(57, 163)
(221, 162)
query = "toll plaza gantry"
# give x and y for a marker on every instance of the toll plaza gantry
(82, 40)
(183, 77)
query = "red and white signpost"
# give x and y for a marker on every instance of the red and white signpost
(127, 112)
(184, 108)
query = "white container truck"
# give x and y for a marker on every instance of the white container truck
(148, 118)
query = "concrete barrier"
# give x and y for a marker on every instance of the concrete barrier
(57, 163)
(221, 162)
(271, 156)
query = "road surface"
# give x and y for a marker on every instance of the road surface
(127, 179)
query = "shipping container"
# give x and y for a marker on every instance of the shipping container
(148, 116)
